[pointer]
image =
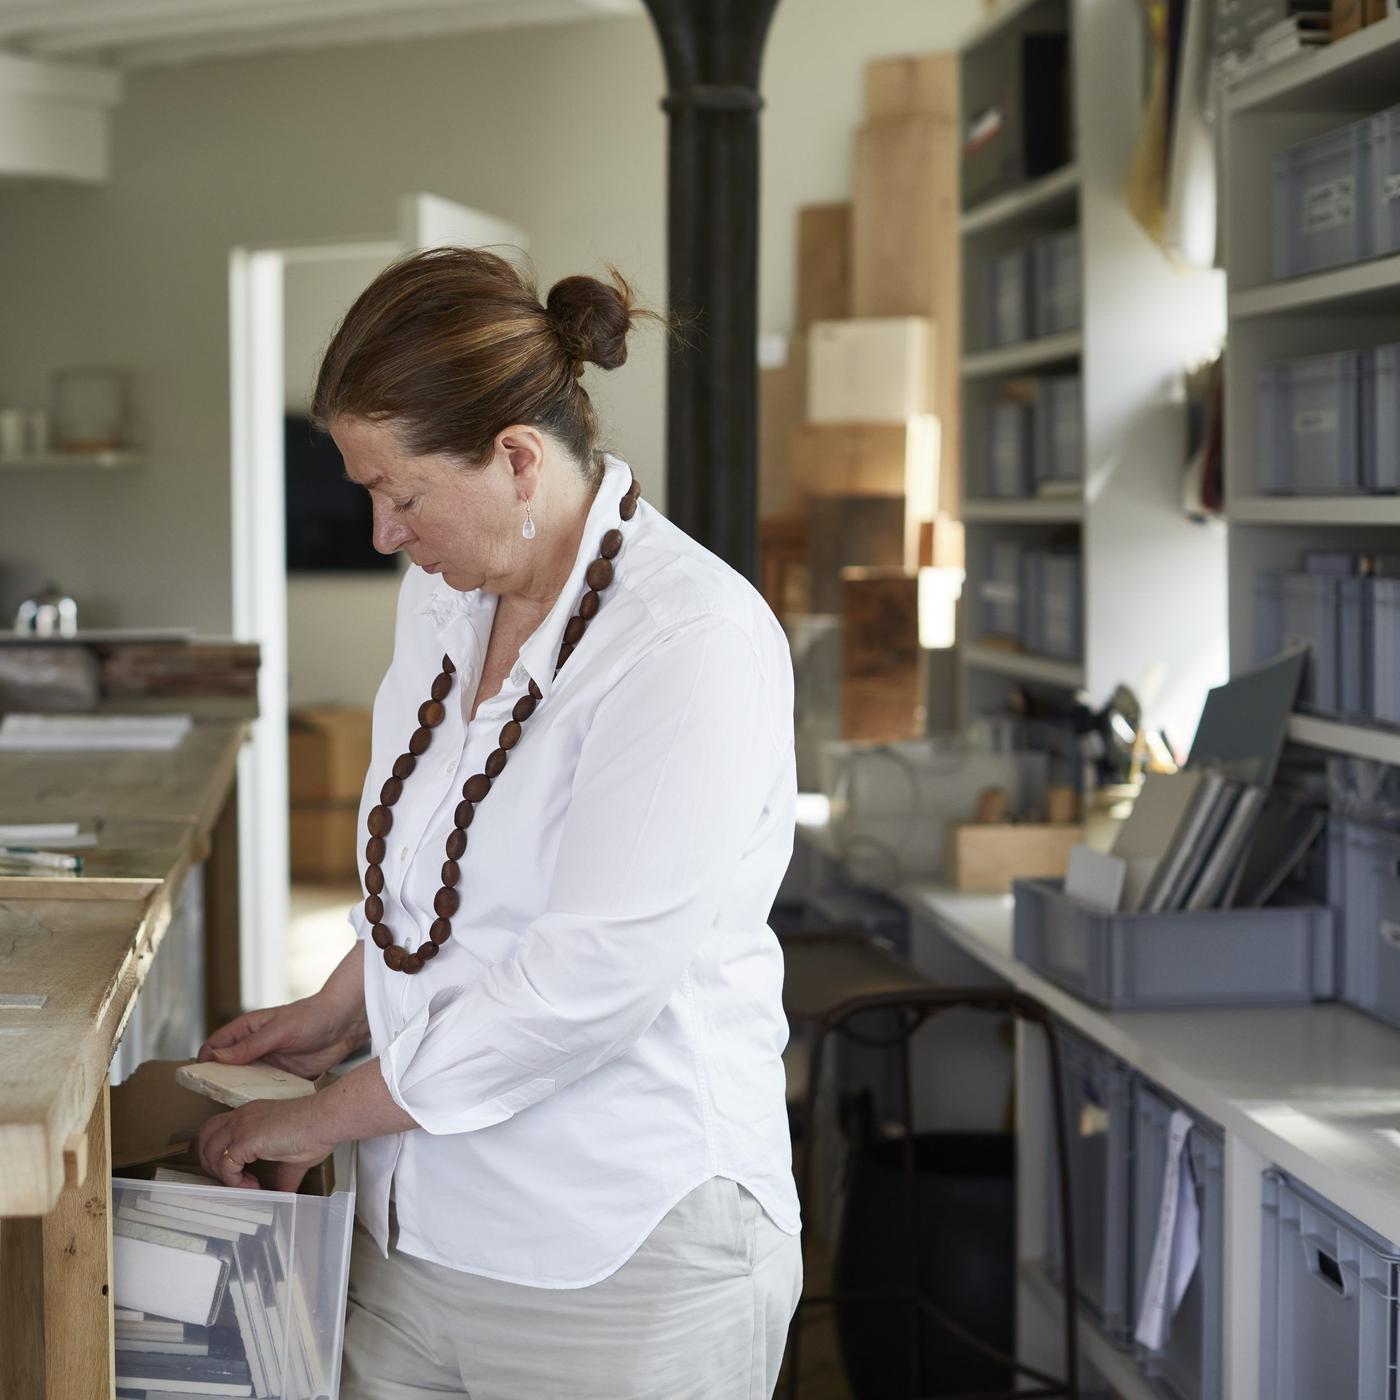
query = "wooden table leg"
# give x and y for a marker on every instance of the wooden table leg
(222, 996)
(56, 1282)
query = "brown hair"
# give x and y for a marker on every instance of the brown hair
(452, 345)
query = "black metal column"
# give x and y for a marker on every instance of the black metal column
(713, 51)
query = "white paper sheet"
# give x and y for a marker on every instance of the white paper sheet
(1176, 1251)
(69, 732)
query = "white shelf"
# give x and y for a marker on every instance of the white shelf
(1013, 359)
(1051, 194)
(1369, 286)
(56, 461)
(1336, 736)
(1023, 667)
(1356, 73)
(1314, 510)
(1115, 1366)
(1032, 511)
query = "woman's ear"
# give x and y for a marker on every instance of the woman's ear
(523, 448)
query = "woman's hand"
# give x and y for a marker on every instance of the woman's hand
(286, 1131)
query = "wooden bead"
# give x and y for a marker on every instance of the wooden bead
(375, 850)
(510, 734)
(599, 574)
(393, 956)
(442, 683)
(628, 508)
(476, 787)
(456, 844)
(374, 908)
(440, 930)
(565, 652)
(381, 935)
(381, 821)
(432, 713)
(374, 879)
(445, 902)
(412, 963)
(588, 606)
(422, 737)
(612, 542)
(496, 763)
(427, 951)
(404, 765)
(451, 872)
(574, 630)
(447, 664)
(465, 811)
(391, 791)
(535, 691)
(524, 708)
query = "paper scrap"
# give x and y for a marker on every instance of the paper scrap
(1176, 1251)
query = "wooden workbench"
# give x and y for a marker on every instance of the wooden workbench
(73, 955)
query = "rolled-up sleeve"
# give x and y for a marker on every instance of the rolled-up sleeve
(671, 782)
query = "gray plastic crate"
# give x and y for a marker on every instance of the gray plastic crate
(1057, 601)
(1380, 419)
(1308, 425)
(1385, 182)
(1099, 1115)
(999, 590)
(1365, 874)
(1303, 610)
(1059, 430)
(1009, 298)
(1356, 625)
(1056, 282)
(1007, 449)
(1189, 1363)
(1328, 1311)
(1281, 956)
(1384, 679)
(1320, 212)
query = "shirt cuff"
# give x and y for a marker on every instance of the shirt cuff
(357, 921)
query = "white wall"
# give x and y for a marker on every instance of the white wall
(556, 129)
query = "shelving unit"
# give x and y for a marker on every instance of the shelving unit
(1144, 567)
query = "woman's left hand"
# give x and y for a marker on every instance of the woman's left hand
(286, 1132)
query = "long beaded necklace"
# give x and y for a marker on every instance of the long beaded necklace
(431, 713)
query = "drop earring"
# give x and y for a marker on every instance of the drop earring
(527, 530)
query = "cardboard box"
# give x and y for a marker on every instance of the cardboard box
(328, 750)
(865, 459)
(1347, 17)
(823, 263)
(987, 859)
(782, 405)
(906, 85)
(844, 531)
(868, 371)
(883, 671)
(325, 841)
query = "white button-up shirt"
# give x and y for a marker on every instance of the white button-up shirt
(603, 1031)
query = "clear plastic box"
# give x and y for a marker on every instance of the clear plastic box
(244, 1286)
(1007, 450)
(1380, 420)
(1385, 182)
(999, 591)
(1303, 610)
(1320, 191)
(1189, 1363)
(1365, 876)
(1009, 298)
(1280, 956)
(1328, 1311)
(1308, 423)
(1384, 680)
(1059, 431)
(1098, 1112)
(1056, 283)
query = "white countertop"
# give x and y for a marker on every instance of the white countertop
(1314, 1089)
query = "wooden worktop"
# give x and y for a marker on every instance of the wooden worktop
(74, 953)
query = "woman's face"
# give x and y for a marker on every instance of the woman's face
(463, 523)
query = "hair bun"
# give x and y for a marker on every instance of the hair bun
(592, 318)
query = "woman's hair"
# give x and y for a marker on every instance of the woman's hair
(452, 345)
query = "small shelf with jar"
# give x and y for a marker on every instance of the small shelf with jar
(90, 426)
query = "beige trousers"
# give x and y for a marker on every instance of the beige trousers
(699, 1312)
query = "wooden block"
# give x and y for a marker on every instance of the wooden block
(783, 570)
(866, 459)
(923, 84)
(236, 1085)
(1061, 805)
(991, 807)
(1373, 11)
(850, 530)
(1347, 17)
(823, 263)
(988, 858)
(75, 1160)
(868, 371)
(782, 405)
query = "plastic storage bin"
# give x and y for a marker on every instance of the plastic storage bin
(1328, 1314)
(1056, 283)
(1058, 603)
(1281, 956)
(1364, 872)
(259, 1276)
(1059, 432)
(1009, 298)
(999, 591)
(1099, 1111)
(1385, 182)
(1308, 415)
(1320, 216)
(1380, 419)
(1302, 610)
(1188, 1365)
(1384, 679)
(1007, 449)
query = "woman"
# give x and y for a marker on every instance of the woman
(574, 1166)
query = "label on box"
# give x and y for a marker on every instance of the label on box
(1315, 420)
(1329, 205)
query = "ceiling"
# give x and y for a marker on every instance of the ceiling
(145, 33)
